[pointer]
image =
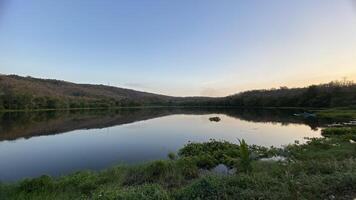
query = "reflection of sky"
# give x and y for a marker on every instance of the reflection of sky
(180, 47)
(136, 142)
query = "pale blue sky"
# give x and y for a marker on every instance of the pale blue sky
(181, 47)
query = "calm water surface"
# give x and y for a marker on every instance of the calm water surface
(58, 143)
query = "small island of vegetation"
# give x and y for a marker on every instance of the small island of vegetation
(214, 119)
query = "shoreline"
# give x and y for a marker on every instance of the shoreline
(306, 171)
(143, 107)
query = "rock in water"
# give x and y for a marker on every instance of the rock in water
(214, 119)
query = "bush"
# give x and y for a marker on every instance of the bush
(207, 188)
(245, 162)
(209, 154)
(43, 183)
(206, 161)
(157, 169)
(153, 172)
(188, 168)
(172, 156)
(83, 182)
(143, 192)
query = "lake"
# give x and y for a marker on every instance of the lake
(61, 142)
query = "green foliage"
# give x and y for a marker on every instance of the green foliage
(212, 153)
(335, 145)
(330, 132)
(167, 173)
(172, 156)
(43, 183)
(346, 113)
(143, 192)
(158, 169)
(209, 154)
(84, 182)
(245, 161)
(206, 188)
(188, 168)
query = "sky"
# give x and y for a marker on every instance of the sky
(180, 47)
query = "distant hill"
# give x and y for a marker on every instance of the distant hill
(51, 87)
(333, 94)
(26, 93)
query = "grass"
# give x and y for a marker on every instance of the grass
(322, 168)
(346, 113)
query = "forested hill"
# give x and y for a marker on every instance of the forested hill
(333, 94)
(19, 93)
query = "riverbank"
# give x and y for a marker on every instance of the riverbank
(323, 168)
(337, 113)
(158, 106)
(343, 113)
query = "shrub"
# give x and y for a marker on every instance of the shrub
(209, 154)
(152, 172)
(245, 162)
(40, 184)
(188, 168)
(172, 156)
(157, 169)
(83, 182)
(207, 188)
(143, 192)
(206, 161)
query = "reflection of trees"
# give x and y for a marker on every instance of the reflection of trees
(28, 124)
(283, 116)
(16, 125)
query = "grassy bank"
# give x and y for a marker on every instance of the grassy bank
(345, 113)
(323, 168)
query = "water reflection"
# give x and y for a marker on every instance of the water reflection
(14, 125)
(56, 143)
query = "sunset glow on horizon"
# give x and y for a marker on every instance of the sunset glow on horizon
(181, 48)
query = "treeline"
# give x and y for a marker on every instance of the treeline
(13, 101)
(27, 93)
(333, 94)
